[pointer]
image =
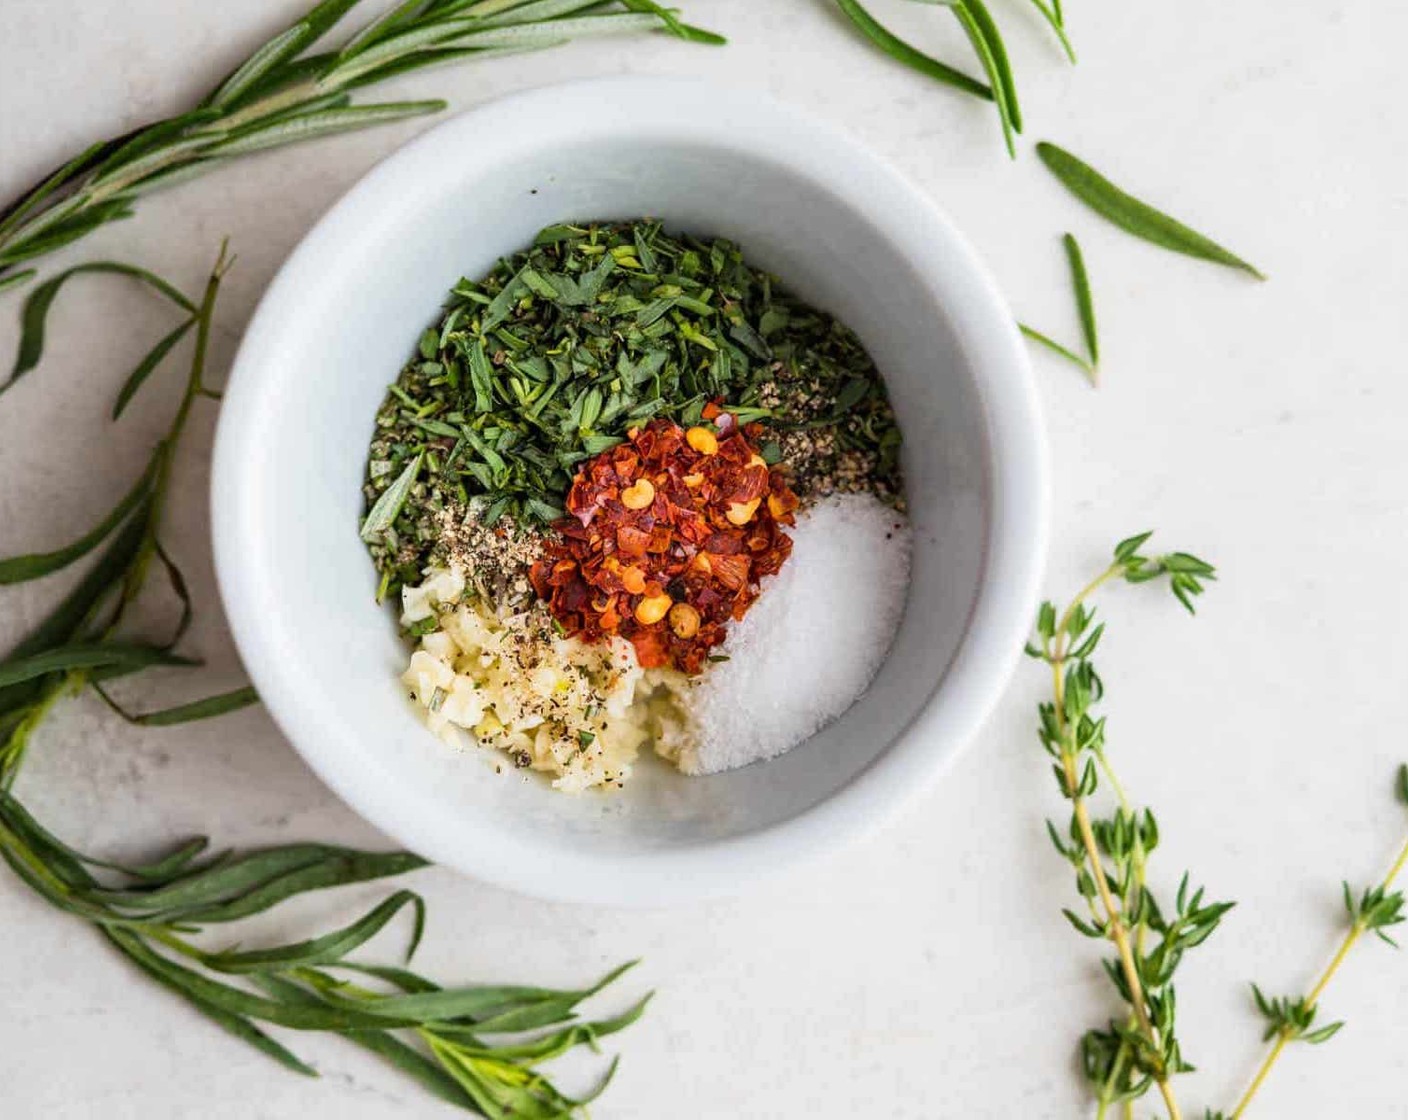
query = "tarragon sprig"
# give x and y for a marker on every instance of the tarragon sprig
(286, 92)
(1109, 855)
(478, 1047)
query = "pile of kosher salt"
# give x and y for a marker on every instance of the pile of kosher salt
(810, 645)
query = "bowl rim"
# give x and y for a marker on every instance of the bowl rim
(1013, 554)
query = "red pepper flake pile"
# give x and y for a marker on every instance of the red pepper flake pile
(668, 536)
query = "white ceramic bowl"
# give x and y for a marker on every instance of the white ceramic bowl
(806, 202)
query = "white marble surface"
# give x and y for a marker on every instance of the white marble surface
(928, 973)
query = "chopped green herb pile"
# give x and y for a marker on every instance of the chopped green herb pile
(561, 349)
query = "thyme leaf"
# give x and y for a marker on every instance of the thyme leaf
(1109, 855)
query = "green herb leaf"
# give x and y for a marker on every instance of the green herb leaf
(1085, 304)
(182, 592)
(414, 1064)
(76, 609)
(1056, 348)
(36, 308)
(145, 367)
(1054, 20)
(208, 708)
(56, 236)
(674, 25)
(236, 1001)
(236, 1025)
(903, 53)
(260, 105)
(388, 506)
(80, 656)
(330, 947)
(278, 50)
(982, 32)
(1132, 215)
(15, 279)
(328, 122)
(19, 569)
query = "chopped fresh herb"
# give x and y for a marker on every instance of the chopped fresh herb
(562, 349)
(422, 628)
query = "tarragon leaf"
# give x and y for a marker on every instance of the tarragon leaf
(19, 569)
(36, 308)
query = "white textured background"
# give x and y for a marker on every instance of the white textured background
(929, 973)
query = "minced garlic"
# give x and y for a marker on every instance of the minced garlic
(557, 704)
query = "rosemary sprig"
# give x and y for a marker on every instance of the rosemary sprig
(910, 56)
(286, 92)
(478, 1047)
(988, 47)
(1109, 855)
(1132, 215)
(986, 40)
(1085, 308)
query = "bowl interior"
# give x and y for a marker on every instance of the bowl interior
(345, 314)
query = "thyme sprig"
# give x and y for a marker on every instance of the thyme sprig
(1109, 855)
(286, 92)
(1142, 1051)
(1289, 1019)
(478, 1047)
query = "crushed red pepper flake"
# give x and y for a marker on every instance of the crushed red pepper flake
(712, 531)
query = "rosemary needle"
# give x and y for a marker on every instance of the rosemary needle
(1133, 215)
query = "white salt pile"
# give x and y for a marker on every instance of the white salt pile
(811, 643)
